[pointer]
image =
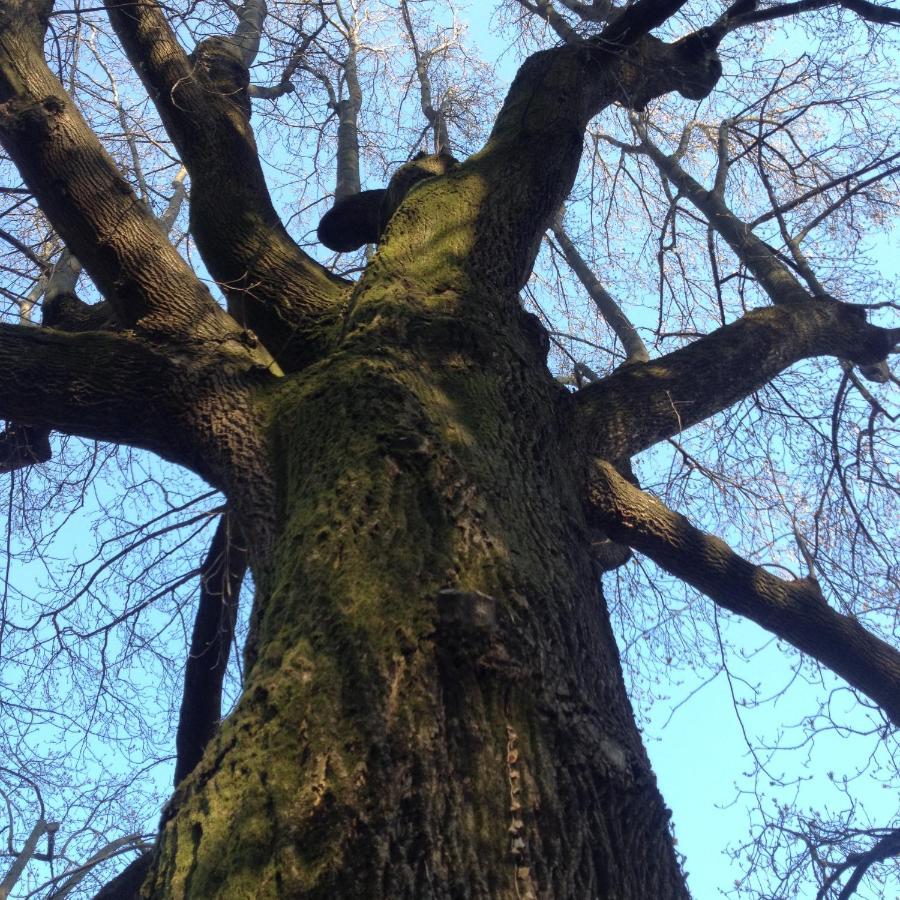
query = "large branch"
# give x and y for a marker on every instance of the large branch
(642, 404)
(482, 225)
(284, 295)
(100, 385)
(792, 610)
(94, 209)
(201, 707)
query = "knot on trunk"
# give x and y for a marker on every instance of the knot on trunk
(362, 218)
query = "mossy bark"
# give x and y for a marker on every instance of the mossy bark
(434, 705)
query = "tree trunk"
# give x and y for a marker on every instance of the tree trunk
(434, 704)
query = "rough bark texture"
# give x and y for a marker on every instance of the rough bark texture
(434, 705)
(440, 715)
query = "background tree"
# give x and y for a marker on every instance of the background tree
(431, 698)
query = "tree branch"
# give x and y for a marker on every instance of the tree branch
(871, 12)
(635, 350)
(529, 163)
(272, 286)
(639, 405)
(17, 868)
(94, 209)
(435, 117)
(347, 182)
(639, 19)
(100, 385)
(22, 446)
(544, 9)
(201, 707)
(793, 610)
(773, 276)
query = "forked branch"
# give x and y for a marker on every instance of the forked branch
(93, 208)
(273, 287)
(529, 164)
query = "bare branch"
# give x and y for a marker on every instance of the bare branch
(639, 405)
(88, 201)
(774, 277)
(870, 12)
(220, 584)
(610, 310)
(792, 610)
(434, 116)
(273, 287)
(25, 855)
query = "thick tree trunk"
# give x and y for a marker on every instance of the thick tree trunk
(435, 706)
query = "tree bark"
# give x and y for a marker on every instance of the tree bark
(434, 704)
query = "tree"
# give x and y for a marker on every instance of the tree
(433, 701)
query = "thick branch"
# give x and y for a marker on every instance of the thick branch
(201, 707)
(516, 184)
(89, 203)
(19, 864)
(639, 405)
(275, 288)
(248, 34)
(792, 610)
(99, 385)
(639, 19)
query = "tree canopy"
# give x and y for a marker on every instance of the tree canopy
(675, 226)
